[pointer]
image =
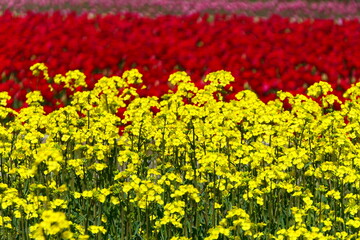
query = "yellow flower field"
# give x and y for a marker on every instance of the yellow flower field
(199, 168)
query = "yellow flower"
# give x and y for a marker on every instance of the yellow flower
(77, 195)
(4, 97)
(132, 76)
(127, 187)
(354, 222)
(333, 193)
(58, 203)
(260, 201)
(98, 166)
(96, 229)
(67, 235)
(328, 225)
(72, 79)
(83, 237)
(34, 98)
(114, 200)
(216, 231)
(52, 224)
(87, 194)
(104, 219)
(180, 238)
(217, 206)
(319, 88)
(40, 67)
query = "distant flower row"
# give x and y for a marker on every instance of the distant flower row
(299, 8)
(263, 55)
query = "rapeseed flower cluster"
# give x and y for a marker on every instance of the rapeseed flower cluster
(196, 168)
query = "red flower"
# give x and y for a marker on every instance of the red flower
(272, 54)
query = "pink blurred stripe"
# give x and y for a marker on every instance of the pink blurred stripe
(159, 7)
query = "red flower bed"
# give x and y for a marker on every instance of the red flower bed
(264, 55)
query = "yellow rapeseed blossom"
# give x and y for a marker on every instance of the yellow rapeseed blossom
(34, 98)
(96, 229)
(4, 97)
(197, 165)
(40, 67)
(319, 88)
(52, 223)
(180, 238)
(214, 233)
(71, 80)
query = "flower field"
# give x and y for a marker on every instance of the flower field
(264, 55)
(190, 125)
